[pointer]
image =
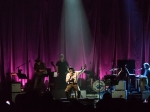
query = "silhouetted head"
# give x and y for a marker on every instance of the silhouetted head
(146, 65)
(107, 96)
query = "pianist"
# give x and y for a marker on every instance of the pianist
(147, 72)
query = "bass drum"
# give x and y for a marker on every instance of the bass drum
(99, 86)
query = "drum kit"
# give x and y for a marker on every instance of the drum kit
(108, 81)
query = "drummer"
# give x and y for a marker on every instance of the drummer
(147, 72)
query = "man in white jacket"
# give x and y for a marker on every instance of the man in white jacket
(72, 79)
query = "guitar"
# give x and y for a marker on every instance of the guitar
(41, 72)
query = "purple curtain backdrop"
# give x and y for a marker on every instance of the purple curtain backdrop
(120, 29)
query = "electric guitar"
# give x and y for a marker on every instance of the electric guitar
(41, 72)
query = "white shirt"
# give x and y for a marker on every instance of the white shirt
(75, 76)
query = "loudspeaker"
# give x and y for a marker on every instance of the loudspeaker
(16, 87)
(121, 86)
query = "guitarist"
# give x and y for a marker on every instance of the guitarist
(61, 69)
(40, 69)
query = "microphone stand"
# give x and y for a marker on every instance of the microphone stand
(23, 64)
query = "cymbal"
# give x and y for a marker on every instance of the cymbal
(114, 69)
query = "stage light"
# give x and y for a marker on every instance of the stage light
(75, 34)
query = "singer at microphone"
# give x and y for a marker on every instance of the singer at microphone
(72, 79)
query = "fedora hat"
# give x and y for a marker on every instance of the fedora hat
(38, 60)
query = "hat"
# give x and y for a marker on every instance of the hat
(38, 60)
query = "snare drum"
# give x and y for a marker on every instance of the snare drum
(99, 86)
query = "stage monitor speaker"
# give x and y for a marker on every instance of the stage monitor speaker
(121, 86)
(16, 87)
(119, 94)
(130, 65)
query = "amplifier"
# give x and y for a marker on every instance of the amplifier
(16, 87)
(119, 94)
(121, 86)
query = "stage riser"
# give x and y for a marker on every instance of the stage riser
(58, 94)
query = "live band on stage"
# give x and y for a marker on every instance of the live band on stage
(121, 78)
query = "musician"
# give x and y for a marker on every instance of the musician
(71, 80)
(39, 69)
(147, 72)
(62, 70)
